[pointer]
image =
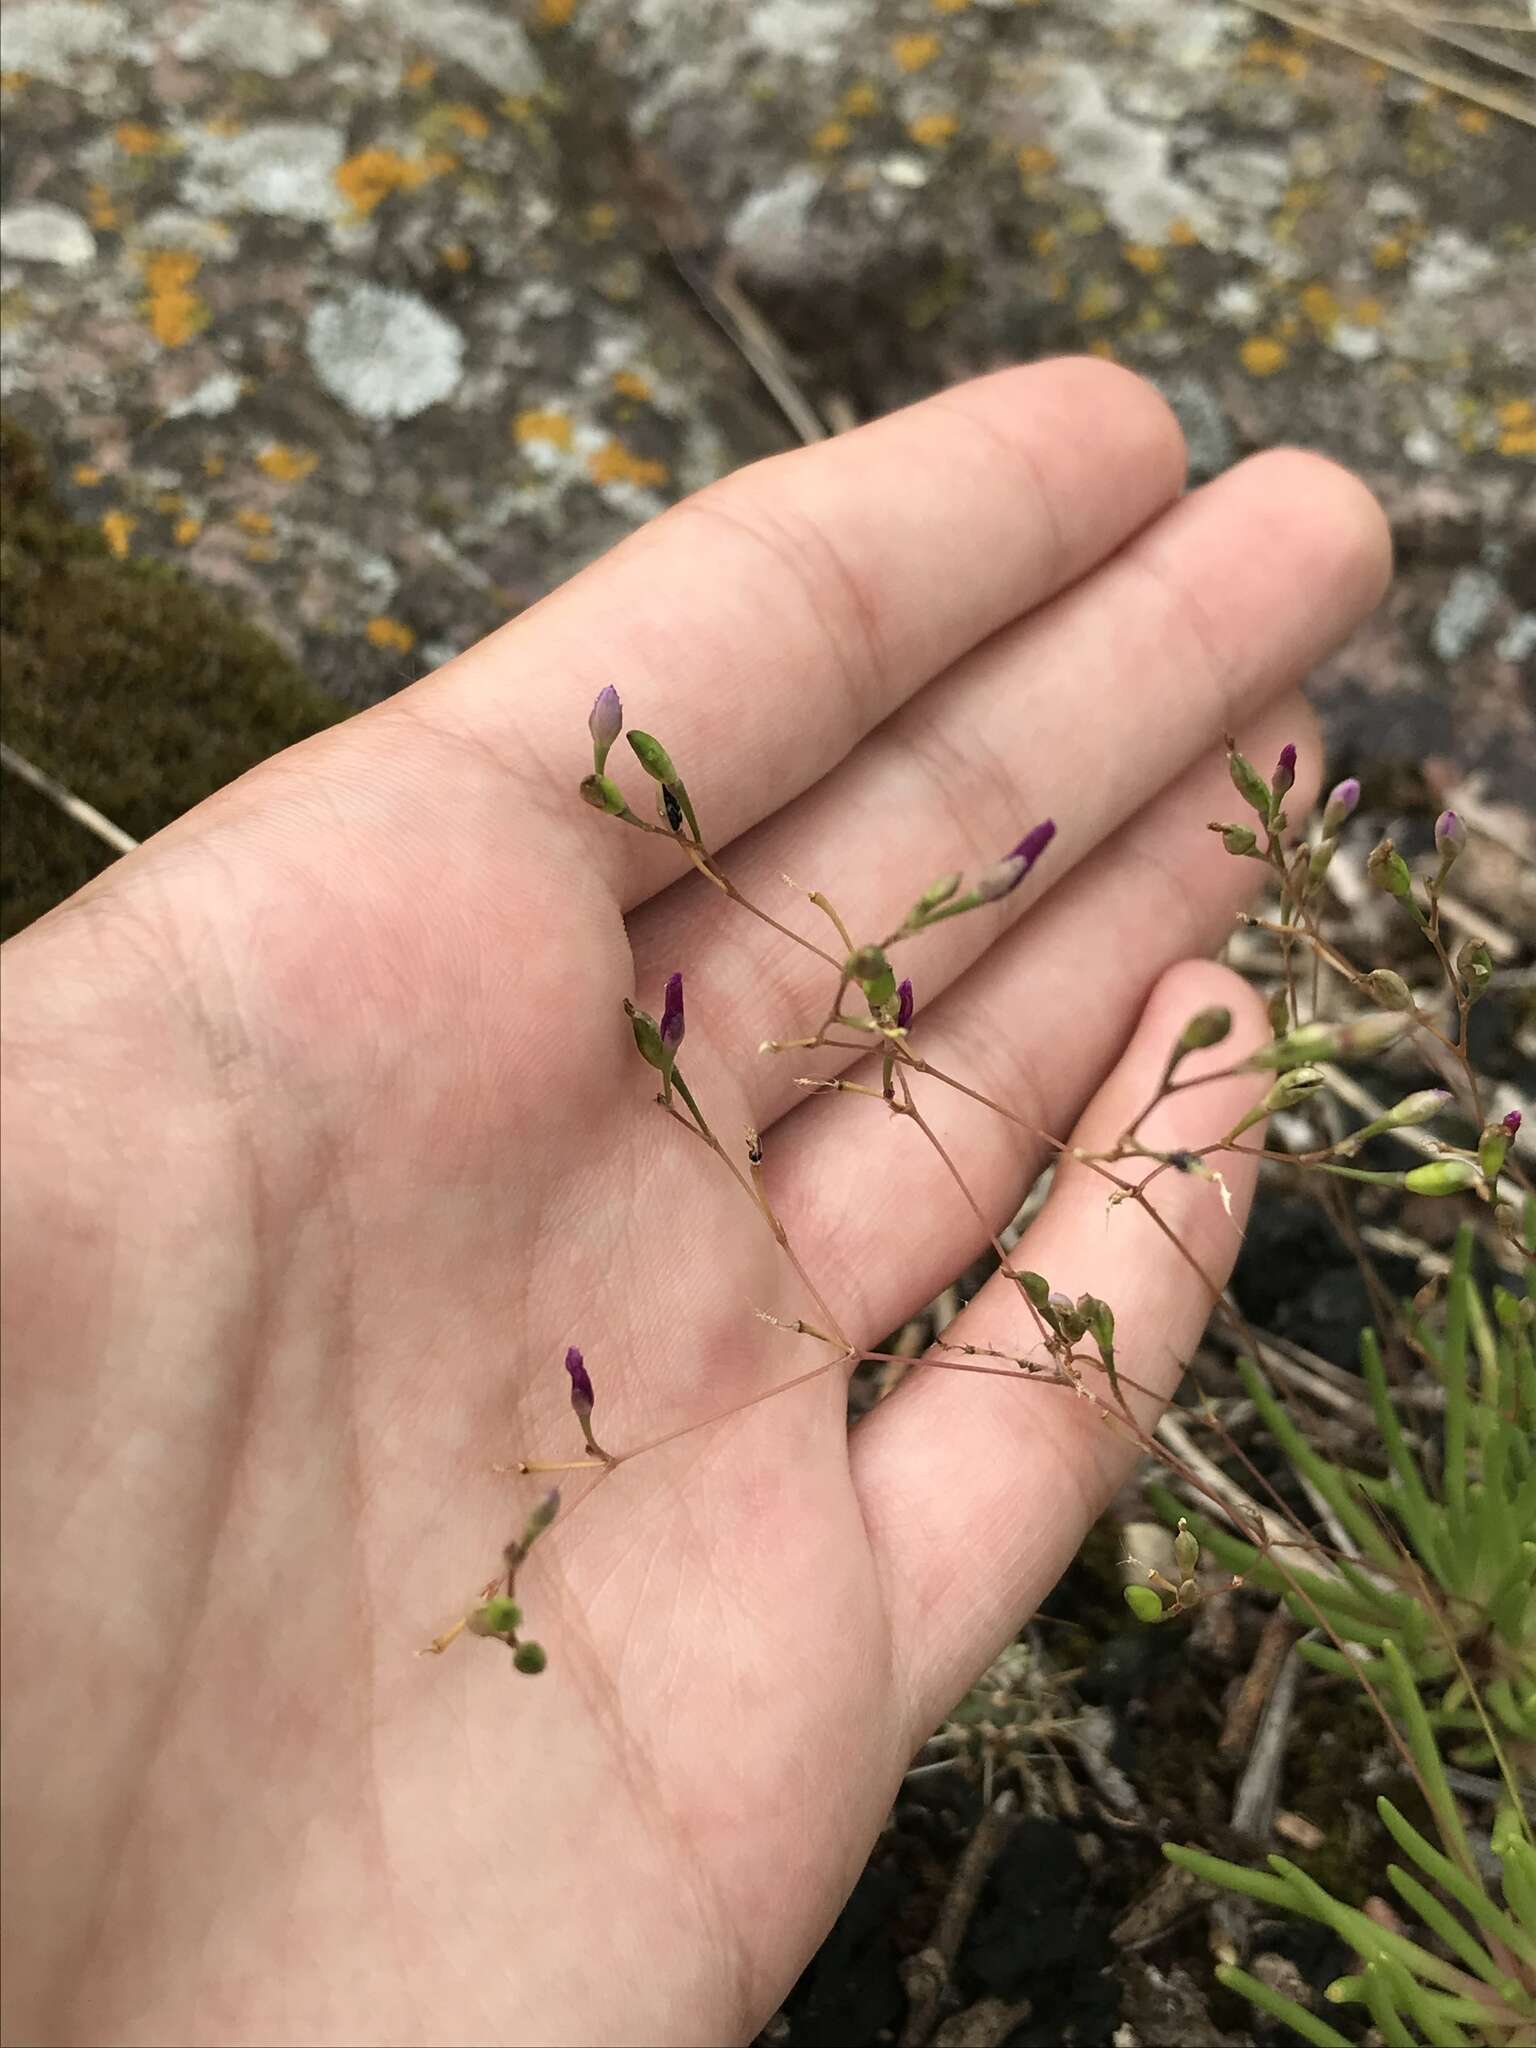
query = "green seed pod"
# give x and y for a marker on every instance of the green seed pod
(1036, 1287)
(652, 756)
(1293, 1087)
(1493, 1150)
(1442, 1177)
(498, 1617)
(1355, 1038)
(530, 1658)
(604, 795)
(1474, 963)
(1388, 870)
(1249, 783)
(937, 893)
(1389, 989)
(647, 1038)
(1186, 1548)
(1359, 1037)
(872, 971)
(1237, 839)
(1099, 1321)
(1143, 1603)
(1206, 1027)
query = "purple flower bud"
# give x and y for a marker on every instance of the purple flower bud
(1450, 835)
(1000, 879)
(904, 1005)
(1342, 799)
(605, 724)
(581, 1382)
(1512, 1123)
(672, 1014)
(1034, 843)
(1285, 771)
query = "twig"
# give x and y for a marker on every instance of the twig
(927, 1974)
(65, 800)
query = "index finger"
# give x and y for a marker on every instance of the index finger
(763, 627)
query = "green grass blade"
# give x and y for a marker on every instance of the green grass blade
(1281, 2008)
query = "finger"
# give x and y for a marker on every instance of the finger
(1035, 1027)
(761, 628)
(977, 1490)
(1081, 712)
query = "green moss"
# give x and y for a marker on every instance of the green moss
(125, 681)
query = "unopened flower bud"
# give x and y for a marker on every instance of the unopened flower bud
(605, 724)
(1034, 843)
(1293, 1087)
(999, 880)
(1421, 1108)
(1441, 1177)
(1036, 1287)
(1099, 1321)
(1389, 989)
(1319, 858)
(904, 1005)
(1342, 799)
(1143, 1603)
(1389, 871)
(1359, 1037)
(1238, 839)
(603, 795)
(1355, 1038)
(647, 1038)
(581, 1382)
(671, 1028)
(1474, 963)
(1450, 838)
(937, 892)
(1205, 1028)
(1062, 1311)
(1493, 1146)
(529, 1658)
(1248, 782)
(1512, 1121)
(1186, 1549)
(872, 971)
(1285, 773)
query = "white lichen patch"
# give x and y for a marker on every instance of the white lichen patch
(286, 168)
(269, 36)
(49, 38)
(1127, 164)
(384, 354)
(215, 396)
(1469, 605)
(814, 31)
(172, 227)
(493, 46)
(768, 230)
(1448, 264)
(42, 233)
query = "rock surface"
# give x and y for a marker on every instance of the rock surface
(376, 314)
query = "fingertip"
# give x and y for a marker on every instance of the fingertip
(1338, 518)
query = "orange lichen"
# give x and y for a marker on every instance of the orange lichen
(932, 131)
(556, 13)
(1044, 241)
(454, 255)
(14, 81)
(1320, 307)
(1262, 355)
(1034, 158)
(830, 137)
(1097, 300)
(367, 179)
(100, 210)
(1145, 257)
(419, 72)
(1390, 253)
(175, 312)
(1182, 233)
(1264, 52)
(915, 52)
(134, 138)
(213, 465)
(1475, 120)
(186, 530)
(1516, 412)
(551, 427)
(1367, 312)
(394, 635)
(251, 521)
(87, 475)
(467, 119)
(117, 530)
(286, 465)
(859, 100)
(630, 384)
(613, 463)
(1518, 441)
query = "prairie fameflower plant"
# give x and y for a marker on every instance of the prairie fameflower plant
(1435, 1590)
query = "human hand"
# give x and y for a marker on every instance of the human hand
(326, 1136)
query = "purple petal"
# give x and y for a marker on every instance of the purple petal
(1512, 1122)
(1034, 843)
(607, 719)
(1342, 799)
(1450, 833)
(904, 1005)
(672, 1014)
(581, 1380)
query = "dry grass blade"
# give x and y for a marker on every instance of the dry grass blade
(65, 799)
(1419, 47)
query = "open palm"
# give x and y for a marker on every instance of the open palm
(326, 1136)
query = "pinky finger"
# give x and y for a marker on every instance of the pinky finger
(978, 1489)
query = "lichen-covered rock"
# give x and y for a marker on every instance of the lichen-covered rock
(365, 308)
